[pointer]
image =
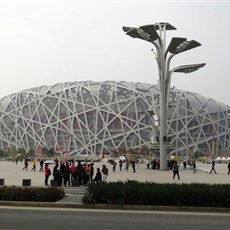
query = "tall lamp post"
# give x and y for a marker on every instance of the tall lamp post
(156, 34)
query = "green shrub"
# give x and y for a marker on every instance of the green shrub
(13, 193)
(139, 193)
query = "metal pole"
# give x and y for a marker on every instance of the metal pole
(163, 127)
(177, 45)
(163, 75)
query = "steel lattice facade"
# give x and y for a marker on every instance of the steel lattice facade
(95, 117)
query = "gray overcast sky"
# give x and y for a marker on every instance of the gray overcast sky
(47, 42)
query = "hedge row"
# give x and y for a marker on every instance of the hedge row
(13, 193)
(139, 193)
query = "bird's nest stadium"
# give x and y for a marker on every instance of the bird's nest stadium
(102, 117)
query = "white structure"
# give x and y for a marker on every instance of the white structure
(95, 117)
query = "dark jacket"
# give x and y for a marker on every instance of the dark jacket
(97, 177)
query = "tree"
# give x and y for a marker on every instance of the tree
(2, 153)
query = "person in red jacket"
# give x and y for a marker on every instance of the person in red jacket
(47, 174)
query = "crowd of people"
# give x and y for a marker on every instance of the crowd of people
(69, 173)
(124, 164)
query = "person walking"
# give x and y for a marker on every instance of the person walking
(33, 165)
(133, 162)
(194, 166)
(26, 164)
(228, 168)
(114, 166)
(184, 164)
(213, 167)
(176, 171)
(41, 165)
(127, 165)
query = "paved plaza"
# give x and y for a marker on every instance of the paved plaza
(13, 174)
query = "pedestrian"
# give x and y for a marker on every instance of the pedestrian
(66, 174)
(91, 173)
(61, 167)
(154, 164)
(105, 173)
(47, 174)
(127, 165)
(158, 164)
(57, 175)
(114, 166)
(176, 171)
(72, 170)
(85, 174)
(148, 164)
(26, 164)
(228, 168)
(133, 163)
(194, 166)
(98, 176)
(41, 165)
(55, 168)
(120, 164)
(33, 165)
(79, 173)
(213, 167)
(184, 164)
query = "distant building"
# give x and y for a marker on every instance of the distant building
(100, 117)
